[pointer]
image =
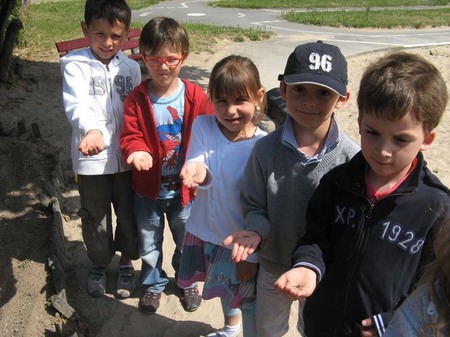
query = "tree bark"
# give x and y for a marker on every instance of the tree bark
(5, 11)
(8, 46)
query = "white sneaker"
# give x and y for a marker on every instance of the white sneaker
(227, 331)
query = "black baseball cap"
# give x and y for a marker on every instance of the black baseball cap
(317, 63)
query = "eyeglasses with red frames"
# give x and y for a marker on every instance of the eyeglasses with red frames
(168, 61)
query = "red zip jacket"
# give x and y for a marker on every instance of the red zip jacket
(139, 134)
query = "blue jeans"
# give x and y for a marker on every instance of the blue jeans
(150, 221)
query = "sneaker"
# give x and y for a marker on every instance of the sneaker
(227, 331)
(96, 285)
(190, 299)
(149, 303)
(126, 282)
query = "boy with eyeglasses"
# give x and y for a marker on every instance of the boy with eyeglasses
(157, 129)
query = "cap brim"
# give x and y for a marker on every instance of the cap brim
(338, 87)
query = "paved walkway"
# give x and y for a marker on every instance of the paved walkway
(270, 56)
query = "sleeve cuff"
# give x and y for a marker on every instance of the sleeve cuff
(209, 180)
(379, 324)
(310, 266)
(252, 258)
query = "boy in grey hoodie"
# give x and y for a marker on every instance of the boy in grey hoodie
(96, 81)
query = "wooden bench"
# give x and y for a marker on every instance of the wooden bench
(130, 46)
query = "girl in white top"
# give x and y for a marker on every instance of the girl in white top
(218, 153)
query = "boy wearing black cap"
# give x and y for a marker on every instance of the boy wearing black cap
(284, 169)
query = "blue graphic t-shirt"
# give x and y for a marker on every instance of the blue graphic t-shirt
(169, 113)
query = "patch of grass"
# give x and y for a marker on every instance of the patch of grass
(46, 23)
(204, 37)
(138, 4)
(373, 18)
(323, 3)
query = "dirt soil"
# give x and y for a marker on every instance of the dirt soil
(34, 141)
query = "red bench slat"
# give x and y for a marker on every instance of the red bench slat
(132, 44)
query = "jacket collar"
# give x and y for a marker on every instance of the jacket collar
(142, 89)
(355, 181)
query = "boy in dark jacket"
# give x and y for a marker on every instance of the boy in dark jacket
(370, 221)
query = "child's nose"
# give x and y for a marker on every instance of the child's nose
(231, 108)
(384, 149)
(108, 41)
(309, 100)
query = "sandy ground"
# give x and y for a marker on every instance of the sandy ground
(35, 97)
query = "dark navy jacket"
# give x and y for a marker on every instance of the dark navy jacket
(367, 256)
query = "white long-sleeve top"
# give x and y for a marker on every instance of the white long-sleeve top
(217, 210)
(93, 95)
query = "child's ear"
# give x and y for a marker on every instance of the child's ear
(184, 55)
(261, 93)
(428, 140)
(342, 100)
(359, 123)
(84, 28)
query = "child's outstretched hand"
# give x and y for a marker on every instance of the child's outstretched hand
(245, 270)
(141, 160)
(297, 283)
(244, 243)
(193, 174)
(92, 143)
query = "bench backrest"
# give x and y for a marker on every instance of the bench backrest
(131, 45)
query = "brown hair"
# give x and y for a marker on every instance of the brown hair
(235, 76)
(400, 83)
(437, 277)
(160, 31)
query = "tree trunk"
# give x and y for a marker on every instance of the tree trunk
(5, 12)
(8, 46)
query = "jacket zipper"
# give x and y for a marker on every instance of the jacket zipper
(357, 250)
(114, 117)
(362, 233)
